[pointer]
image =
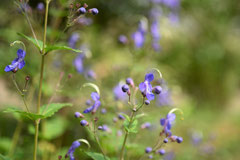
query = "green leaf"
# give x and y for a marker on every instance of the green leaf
(139, 115)
(31, 116)
(39, 45)
(126, 116)
(2, 157)
(94, 86)
(50, 48)
(48, 110)
(131, 128)
(96, 156)
(59, 124)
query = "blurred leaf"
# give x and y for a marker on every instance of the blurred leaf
(50, 48)
(32, 40)
(31, 116)
(133, 127)
(96, 156)
(48, 110)
(5, 144)
(4, 157)
(94, 86)
(84, 141)
(139, 115)
(126, 116)
(58, 123)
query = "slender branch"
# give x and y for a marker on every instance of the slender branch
(97, 140)
(40, 82)
(30, 25)
(19, 91)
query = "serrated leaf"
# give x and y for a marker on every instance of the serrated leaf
(39, 45)
(131, 128)
(31, 116)
(2, 157)
(84, 141)
(94, 86)
(50, 48)
(48, 110)
(96, 156)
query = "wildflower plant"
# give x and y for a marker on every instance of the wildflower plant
(136, 96)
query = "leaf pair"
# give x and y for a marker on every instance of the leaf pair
(48, 48)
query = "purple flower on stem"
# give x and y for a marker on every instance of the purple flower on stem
(148, 150)
(72, 149)
(17, 63)
(146, 87)
(78, 63)
(95, 97)
(161, 151)
(167, 123)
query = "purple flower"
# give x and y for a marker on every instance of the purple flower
(78, 115)
(94, 11)
(118, 93)
(146, 88)
(130, 82)
(90, 74)
(122, 39)
(146, 125)
(169, 156)
(104, 128)
(17, 63)
(179, 139)
(82, 10)
(121, 117)
(71, 150)
(83, 122)
(138, 38)
(40, 6)
(103, 111)
(196, 138)
(173, 17)
(167, 123)
(155, 35)
(73, 40)
(161, 151)
(78, 63)
(148, 150)
(173, 4)
(164, 98)
(85, 21)
(95, 97)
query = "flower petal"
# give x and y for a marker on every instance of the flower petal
(171, 117)
(88, 110)
(162, 121)
(142, 87)
(21, 64)
(95, 96)
(149, 77)
(21, 53)
(150, 96)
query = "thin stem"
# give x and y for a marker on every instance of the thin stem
(30, 25)
(97, 140)
(19, 91)
(15, 137)
(40, 82)
(126, 136)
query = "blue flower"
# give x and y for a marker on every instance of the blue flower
(164, 98)
(17, 63)
(71, 150)
(73, 40)
(155, 35)
(78, 63)
(95, 97)
(40, 6)
(122, 39)
(139, 36)
(118, 93)
(146, 87)
(167, 123)
(90, 74)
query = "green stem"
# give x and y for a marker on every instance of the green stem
(40, 82)
(126, 136)
(97, 140)
(15, 137)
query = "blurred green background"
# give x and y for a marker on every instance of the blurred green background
(199, 60)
